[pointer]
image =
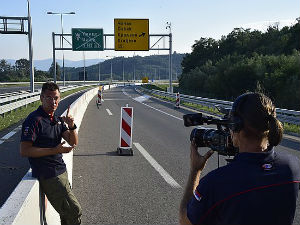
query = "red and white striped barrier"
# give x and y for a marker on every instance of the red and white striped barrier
(177, 103)
(126, 130)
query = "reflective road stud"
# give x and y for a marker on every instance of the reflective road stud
(126, 122)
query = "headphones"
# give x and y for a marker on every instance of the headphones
(237, 122)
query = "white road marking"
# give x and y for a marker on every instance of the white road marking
(161, 111)
(125, 93)
(142, 98)
(109, 112)
(10, 134)
(167, 177)
(116, 99)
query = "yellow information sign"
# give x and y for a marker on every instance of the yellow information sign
(145, 80)
(131, 34)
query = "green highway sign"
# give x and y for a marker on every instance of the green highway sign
(86, 39)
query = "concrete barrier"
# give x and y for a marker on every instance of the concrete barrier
(27, 205)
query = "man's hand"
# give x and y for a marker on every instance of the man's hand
(68, 119)
(198, 161)
(61, 149)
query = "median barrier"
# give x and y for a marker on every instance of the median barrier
(27, 205)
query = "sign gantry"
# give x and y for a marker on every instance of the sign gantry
(129, 35)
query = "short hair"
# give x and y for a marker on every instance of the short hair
(50, 86)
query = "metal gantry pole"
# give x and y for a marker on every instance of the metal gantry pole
(170, 63)
(30, 49)
(99, 68)
(54, 60)
(83, 67)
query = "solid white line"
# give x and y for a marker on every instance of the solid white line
(167, 177)
(115, 99)
(10, 134)
(125, 93)
(109, 112)
(161, 111)
(1, 142)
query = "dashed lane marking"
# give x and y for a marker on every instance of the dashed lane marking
(109, 112)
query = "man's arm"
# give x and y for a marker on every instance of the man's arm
(27, 150)
(188, 194)
(71, 137)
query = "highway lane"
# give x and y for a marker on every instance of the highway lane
(116, 189)
(12, 166)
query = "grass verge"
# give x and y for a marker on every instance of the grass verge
(14, 117)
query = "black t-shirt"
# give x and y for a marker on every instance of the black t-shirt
(44, 132)
(255, 188)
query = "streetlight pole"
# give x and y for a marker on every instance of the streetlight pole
(134, 67)
(123, 70)
(62, 39)
(111, 77)
(99, 72)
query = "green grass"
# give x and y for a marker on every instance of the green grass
(160, 87)
(292, 128)
(14, 117)
(14, 85)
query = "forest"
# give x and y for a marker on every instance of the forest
(154, 66)
(246, 60)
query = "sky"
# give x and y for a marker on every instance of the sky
(190, 20)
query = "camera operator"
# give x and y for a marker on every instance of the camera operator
(260, 185)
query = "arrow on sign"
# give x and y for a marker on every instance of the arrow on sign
(142, 34)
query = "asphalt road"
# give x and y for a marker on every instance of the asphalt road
(115, 189)
(12, 166)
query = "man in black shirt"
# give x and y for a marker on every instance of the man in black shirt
(42, 132)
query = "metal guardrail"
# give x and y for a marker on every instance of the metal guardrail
(284, 115)
(14, 101)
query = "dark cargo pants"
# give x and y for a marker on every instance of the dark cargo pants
(61, 197)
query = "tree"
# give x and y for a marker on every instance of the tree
(4, 66)
(58, 71)
(22, 67)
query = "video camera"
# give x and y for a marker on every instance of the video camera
(218, 139)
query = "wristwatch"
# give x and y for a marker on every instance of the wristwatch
(73, 128)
